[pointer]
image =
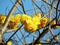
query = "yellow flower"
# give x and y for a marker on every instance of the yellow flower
(15, 26)
(38, 15)
(2, 19)
(56, 38)
(12, 19)
(36, 19)
(43, 22)
(47, 40)
(53, 23)
(39, 26)
(55, 27)
(30, 27)
(12, 25)
(39, 44)
(17, 18)
(9, 43)
(29, 24)
(25, 19)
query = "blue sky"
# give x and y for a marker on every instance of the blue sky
(27, 5)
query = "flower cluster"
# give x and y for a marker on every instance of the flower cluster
(2, 19)
(31, 24)
(56, 38)
(14, 21)
(43, 22)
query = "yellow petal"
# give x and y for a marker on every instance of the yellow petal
(17, 18)
(25, 19)
(12, 19)
(2, 19)
(53, 23)
(9, 43)
(30, 27)
(47, 40)
(45, 20)
(38, 15)
(56, 38)
(36, 20)
(40, 43)
(55, 27)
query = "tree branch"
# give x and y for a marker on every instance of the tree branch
(8, 17)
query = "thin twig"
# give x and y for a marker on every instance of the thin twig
(14, 33)
(17, 7)
(50, 4)
(19, 38)
(22, 5)
(38, 7)
(57, 12)
(51, 9)
(8, 17)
